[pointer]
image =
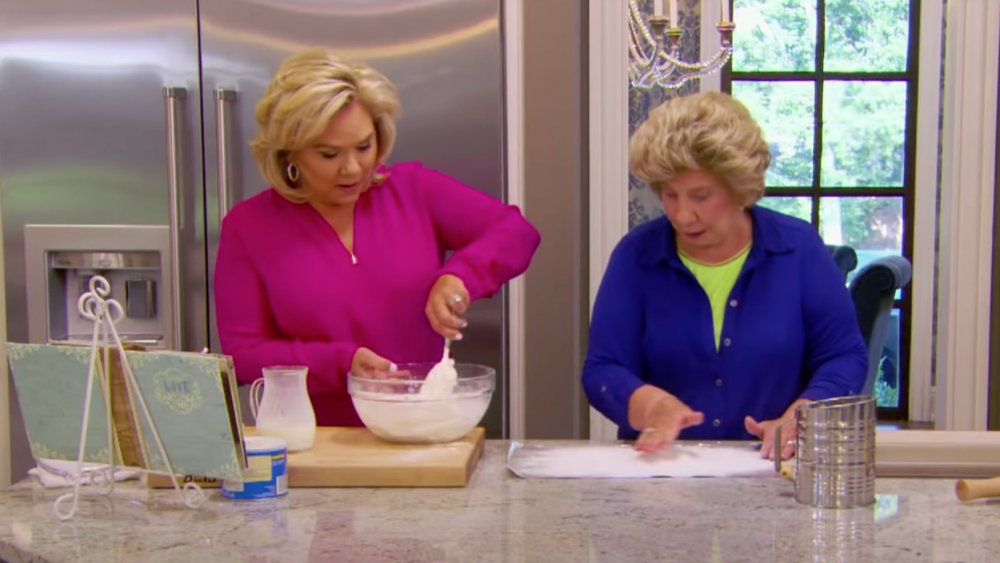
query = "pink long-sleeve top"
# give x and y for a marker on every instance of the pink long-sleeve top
(287, 290)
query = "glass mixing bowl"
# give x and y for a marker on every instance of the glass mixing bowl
(395, 410)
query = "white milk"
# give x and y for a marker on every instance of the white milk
(298, 437)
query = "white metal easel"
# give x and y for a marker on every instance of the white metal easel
(105, 313)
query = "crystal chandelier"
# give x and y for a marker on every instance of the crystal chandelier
(654, 48)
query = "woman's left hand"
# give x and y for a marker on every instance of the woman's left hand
(446, 303)
(765, 431)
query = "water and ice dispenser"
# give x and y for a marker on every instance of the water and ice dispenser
(61, 259)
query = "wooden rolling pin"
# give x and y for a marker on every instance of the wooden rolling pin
(972, 489)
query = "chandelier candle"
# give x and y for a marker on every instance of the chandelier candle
(655, 59)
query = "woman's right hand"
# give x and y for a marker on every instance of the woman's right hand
(446, 305)
(369, 364)
(661, 417)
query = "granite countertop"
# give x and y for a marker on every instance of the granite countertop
(500, 517)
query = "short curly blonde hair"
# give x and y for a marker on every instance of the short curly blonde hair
(708, 131)
(307, 90)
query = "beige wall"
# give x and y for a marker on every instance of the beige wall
(555, 184)
(4, 392)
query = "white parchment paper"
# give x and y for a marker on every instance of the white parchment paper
(622, 461)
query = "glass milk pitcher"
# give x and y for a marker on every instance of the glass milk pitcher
(283, 409)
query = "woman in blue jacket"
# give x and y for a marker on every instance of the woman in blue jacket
(718, 320)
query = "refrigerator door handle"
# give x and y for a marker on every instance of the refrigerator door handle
(173, 101)
(223, 98)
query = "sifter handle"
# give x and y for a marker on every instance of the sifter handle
(787, 471)
(972, 489)
(777, 456)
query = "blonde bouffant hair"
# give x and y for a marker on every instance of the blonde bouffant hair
(307, 90)
(707, 131)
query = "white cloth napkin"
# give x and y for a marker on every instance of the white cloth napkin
(52, 473)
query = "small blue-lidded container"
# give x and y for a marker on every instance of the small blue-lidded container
(266, 475)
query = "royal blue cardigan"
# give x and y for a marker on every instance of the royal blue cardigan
(789, 329)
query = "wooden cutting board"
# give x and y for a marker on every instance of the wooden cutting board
(354, 457)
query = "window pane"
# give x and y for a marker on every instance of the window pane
(867, 36)
(864, 131)
(886, 389)
(800, 207)
(774, 35)
(784, 111)
(872, 226)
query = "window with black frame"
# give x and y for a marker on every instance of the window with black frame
(833, 83)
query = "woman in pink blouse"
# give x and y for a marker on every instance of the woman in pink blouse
(340, 266)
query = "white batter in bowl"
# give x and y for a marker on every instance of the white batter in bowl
(396, 410)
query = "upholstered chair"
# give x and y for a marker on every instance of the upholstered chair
(845, 257)
(873, 290)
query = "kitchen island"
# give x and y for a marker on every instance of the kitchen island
(500, 517)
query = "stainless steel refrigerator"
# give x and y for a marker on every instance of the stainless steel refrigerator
(123, 140)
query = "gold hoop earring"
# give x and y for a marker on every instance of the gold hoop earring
(292, 172)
